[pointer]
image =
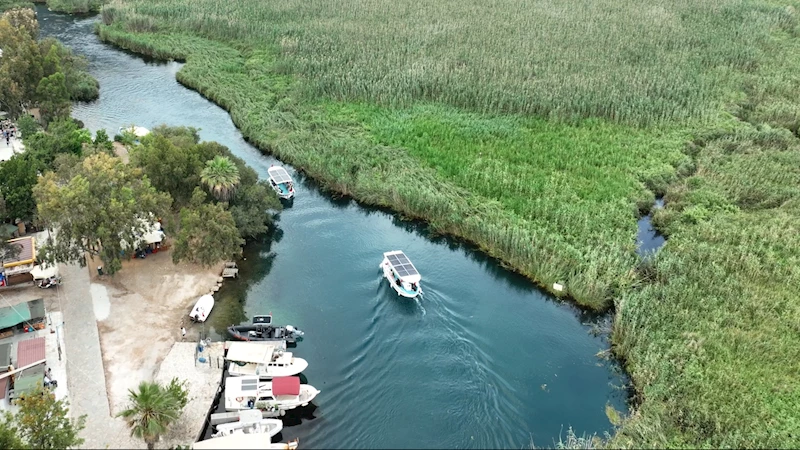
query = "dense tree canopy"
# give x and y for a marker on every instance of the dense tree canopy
(17, 177)
(101, 203)
(208, 233)
(43, 72)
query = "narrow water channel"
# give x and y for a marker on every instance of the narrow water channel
(483, 360)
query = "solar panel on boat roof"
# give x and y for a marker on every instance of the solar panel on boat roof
(402, 265)
(280, 175)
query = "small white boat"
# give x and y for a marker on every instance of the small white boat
(281, 182)
(402, 275)
(244, 441)
(136, 131)
(202, 308)
(250, 422)
(266, 360)
(280, 394)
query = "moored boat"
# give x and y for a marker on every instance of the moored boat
(202, 308)
(266, 360)
(250, 422)
(262, 329)
(402, 275)
(242, 441)
(281, 182)
(280, 394)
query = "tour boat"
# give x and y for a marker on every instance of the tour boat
(202, 308)
(254, 441)
(281, 182)
(280, 394)
(402, 275)
(262, 329)
(250, 422)
(266, 360)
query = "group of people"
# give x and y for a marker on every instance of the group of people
(9, 130)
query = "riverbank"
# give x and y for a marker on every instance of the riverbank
(672, 326)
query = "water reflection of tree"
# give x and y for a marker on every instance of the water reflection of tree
(255, 265)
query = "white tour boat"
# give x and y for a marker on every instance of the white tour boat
(242, 441)
(250, 422)
(266, 360)
(402, 275)
(202, 308)
(280, 394)
(281, 182)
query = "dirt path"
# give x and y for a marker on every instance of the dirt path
(139, 312)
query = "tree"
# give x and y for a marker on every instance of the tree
(53, 97)
(96, 207)
(61, 136)
(44, 423)
(9, 435)
(208, 233)
(153, 409)
(174, 169)
(27, 126)
(221, 176)
(20, 67)
(250, 208)
(18, 175)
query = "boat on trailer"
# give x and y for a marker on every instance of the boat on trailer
(280, 394)
(281, 182)
(250, 422)
(202, 308)
(262, 329)
(266, 360)
(401, 273)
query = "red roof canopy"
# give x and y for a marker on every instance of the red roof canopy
(30, 351)
(286, 386)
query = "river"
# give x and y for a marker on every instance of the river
(483, 360)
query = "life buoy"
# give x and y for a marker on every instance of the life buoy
(239, 399)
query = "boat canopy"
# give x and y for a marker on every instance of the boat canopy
(241, 386)
(402, 266)
(286, 386)
(279, 175)
(251, 352)
(44, 271)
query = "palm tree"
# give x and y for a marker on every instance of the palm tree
(152, 411)
(221, 176)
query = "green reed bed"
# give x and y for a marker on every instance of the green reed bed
(712, 339)
(629, 61)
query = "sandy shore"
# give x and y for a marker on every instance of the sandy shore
(202, 381)
(140, 311)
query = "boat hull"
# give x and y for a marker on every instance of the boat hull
(267, 373)
(242, 333)
(202, 308)
(306, 396)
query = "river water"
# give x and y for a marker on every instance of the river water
(483, 360)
